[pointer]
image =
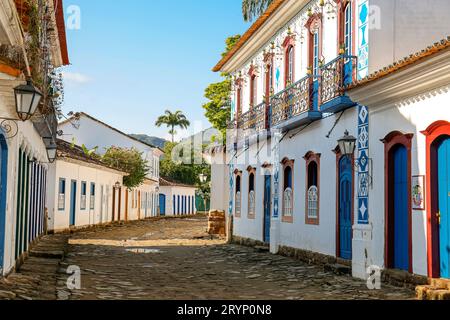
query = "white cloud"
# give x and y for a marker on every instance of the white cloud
(77, 78)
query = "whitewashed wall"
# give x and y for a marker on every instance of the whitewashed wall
(219, 182)
(31, 142)
(321, 238)
(405, 27)
(169, 192)
(147, 205)
(411, 117)
(80, 171)
(93, 134)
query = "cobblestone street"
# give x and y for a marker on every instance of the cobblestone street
(175, 259)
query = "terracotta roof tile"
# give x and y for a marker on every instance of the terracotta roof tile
(166, 182)
(67, 150)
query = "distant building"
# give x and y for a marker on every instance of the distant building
(81, 190)
(139, 203)
(176, 199)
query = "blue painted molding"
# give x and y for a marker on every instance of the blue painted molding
(363, 167)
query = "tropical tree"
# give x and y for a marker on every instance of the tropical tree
(130, 161)
(173, 120)
(252, 9)
(217, 109)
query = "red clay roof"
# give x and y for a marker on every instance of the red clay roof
(403, 63)
(250, 32)
(166, 182)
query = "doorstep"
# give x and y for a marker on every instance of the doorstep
(436, 289)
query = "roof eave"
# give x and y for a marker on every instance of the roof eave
(275, 18)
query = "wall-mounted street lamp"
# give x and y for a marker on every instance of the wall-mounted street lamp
(51, 148)
(27, 100)
(347, 146)
(203, 178)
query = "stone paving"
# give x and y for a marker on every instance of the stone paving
(176, 259)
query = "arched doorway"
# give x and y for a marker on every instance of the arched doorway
(398, 248)
(345, 207)
(443, 188)
(3, 186)
(438, 199)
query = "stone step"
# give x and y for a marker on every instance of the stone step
(56, 254)
(338, 269)
(262, 248)
(429, 292)
(440, 283)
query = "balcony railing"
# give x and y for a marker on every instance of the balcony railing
(254, 119)
(335, 75)
(293, 101)
(303, 101)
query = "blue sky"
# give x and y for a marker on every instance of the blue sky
(133, 59)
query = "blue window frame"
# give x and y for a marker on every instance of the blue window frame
(316, 53)
(189, 205)
(178, 205)
(62, 194)
(92, 199)
(174, 205)
(83, 195)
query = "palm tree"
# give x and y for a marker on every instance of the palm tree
(172, 120)
(252, 9)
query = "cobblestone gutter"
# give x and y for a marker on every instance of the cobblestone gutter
(36, 277)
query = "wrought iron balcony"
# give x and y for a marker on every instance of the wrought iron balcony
(295, 105)
(254, 119)
(334, 76)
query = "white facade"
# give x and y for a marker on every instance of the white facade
(94, 133)
(68, 205)
(23, 160)
(140, 203)
(179, 200)
(304, 207)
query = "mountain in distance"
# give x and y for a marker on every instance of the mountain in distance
(153, 141)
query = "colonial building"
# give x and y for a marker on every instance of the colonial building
(27, 137)
(313, 79)
(176, 199)
(80, 190)
(136, 204)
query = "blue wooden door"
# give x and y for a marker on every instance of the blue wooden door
(73, 202)
(444, 206)
(401, 220)
(267, 207)
(345, 207)
(3, 185)
(162, 204)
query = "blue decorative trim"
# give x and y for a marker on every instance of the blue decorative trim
(363, 167)
(363, 43)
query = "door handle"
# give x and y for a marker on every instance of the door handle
(438, 216)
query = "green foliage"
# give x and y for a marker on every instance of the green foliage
(91, 152)
(183, 173)
(252, 9)
(129, 161)
(218, 109)
(173, 120)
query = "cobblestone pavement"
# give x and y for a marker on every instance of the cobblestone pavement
(175, 259)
